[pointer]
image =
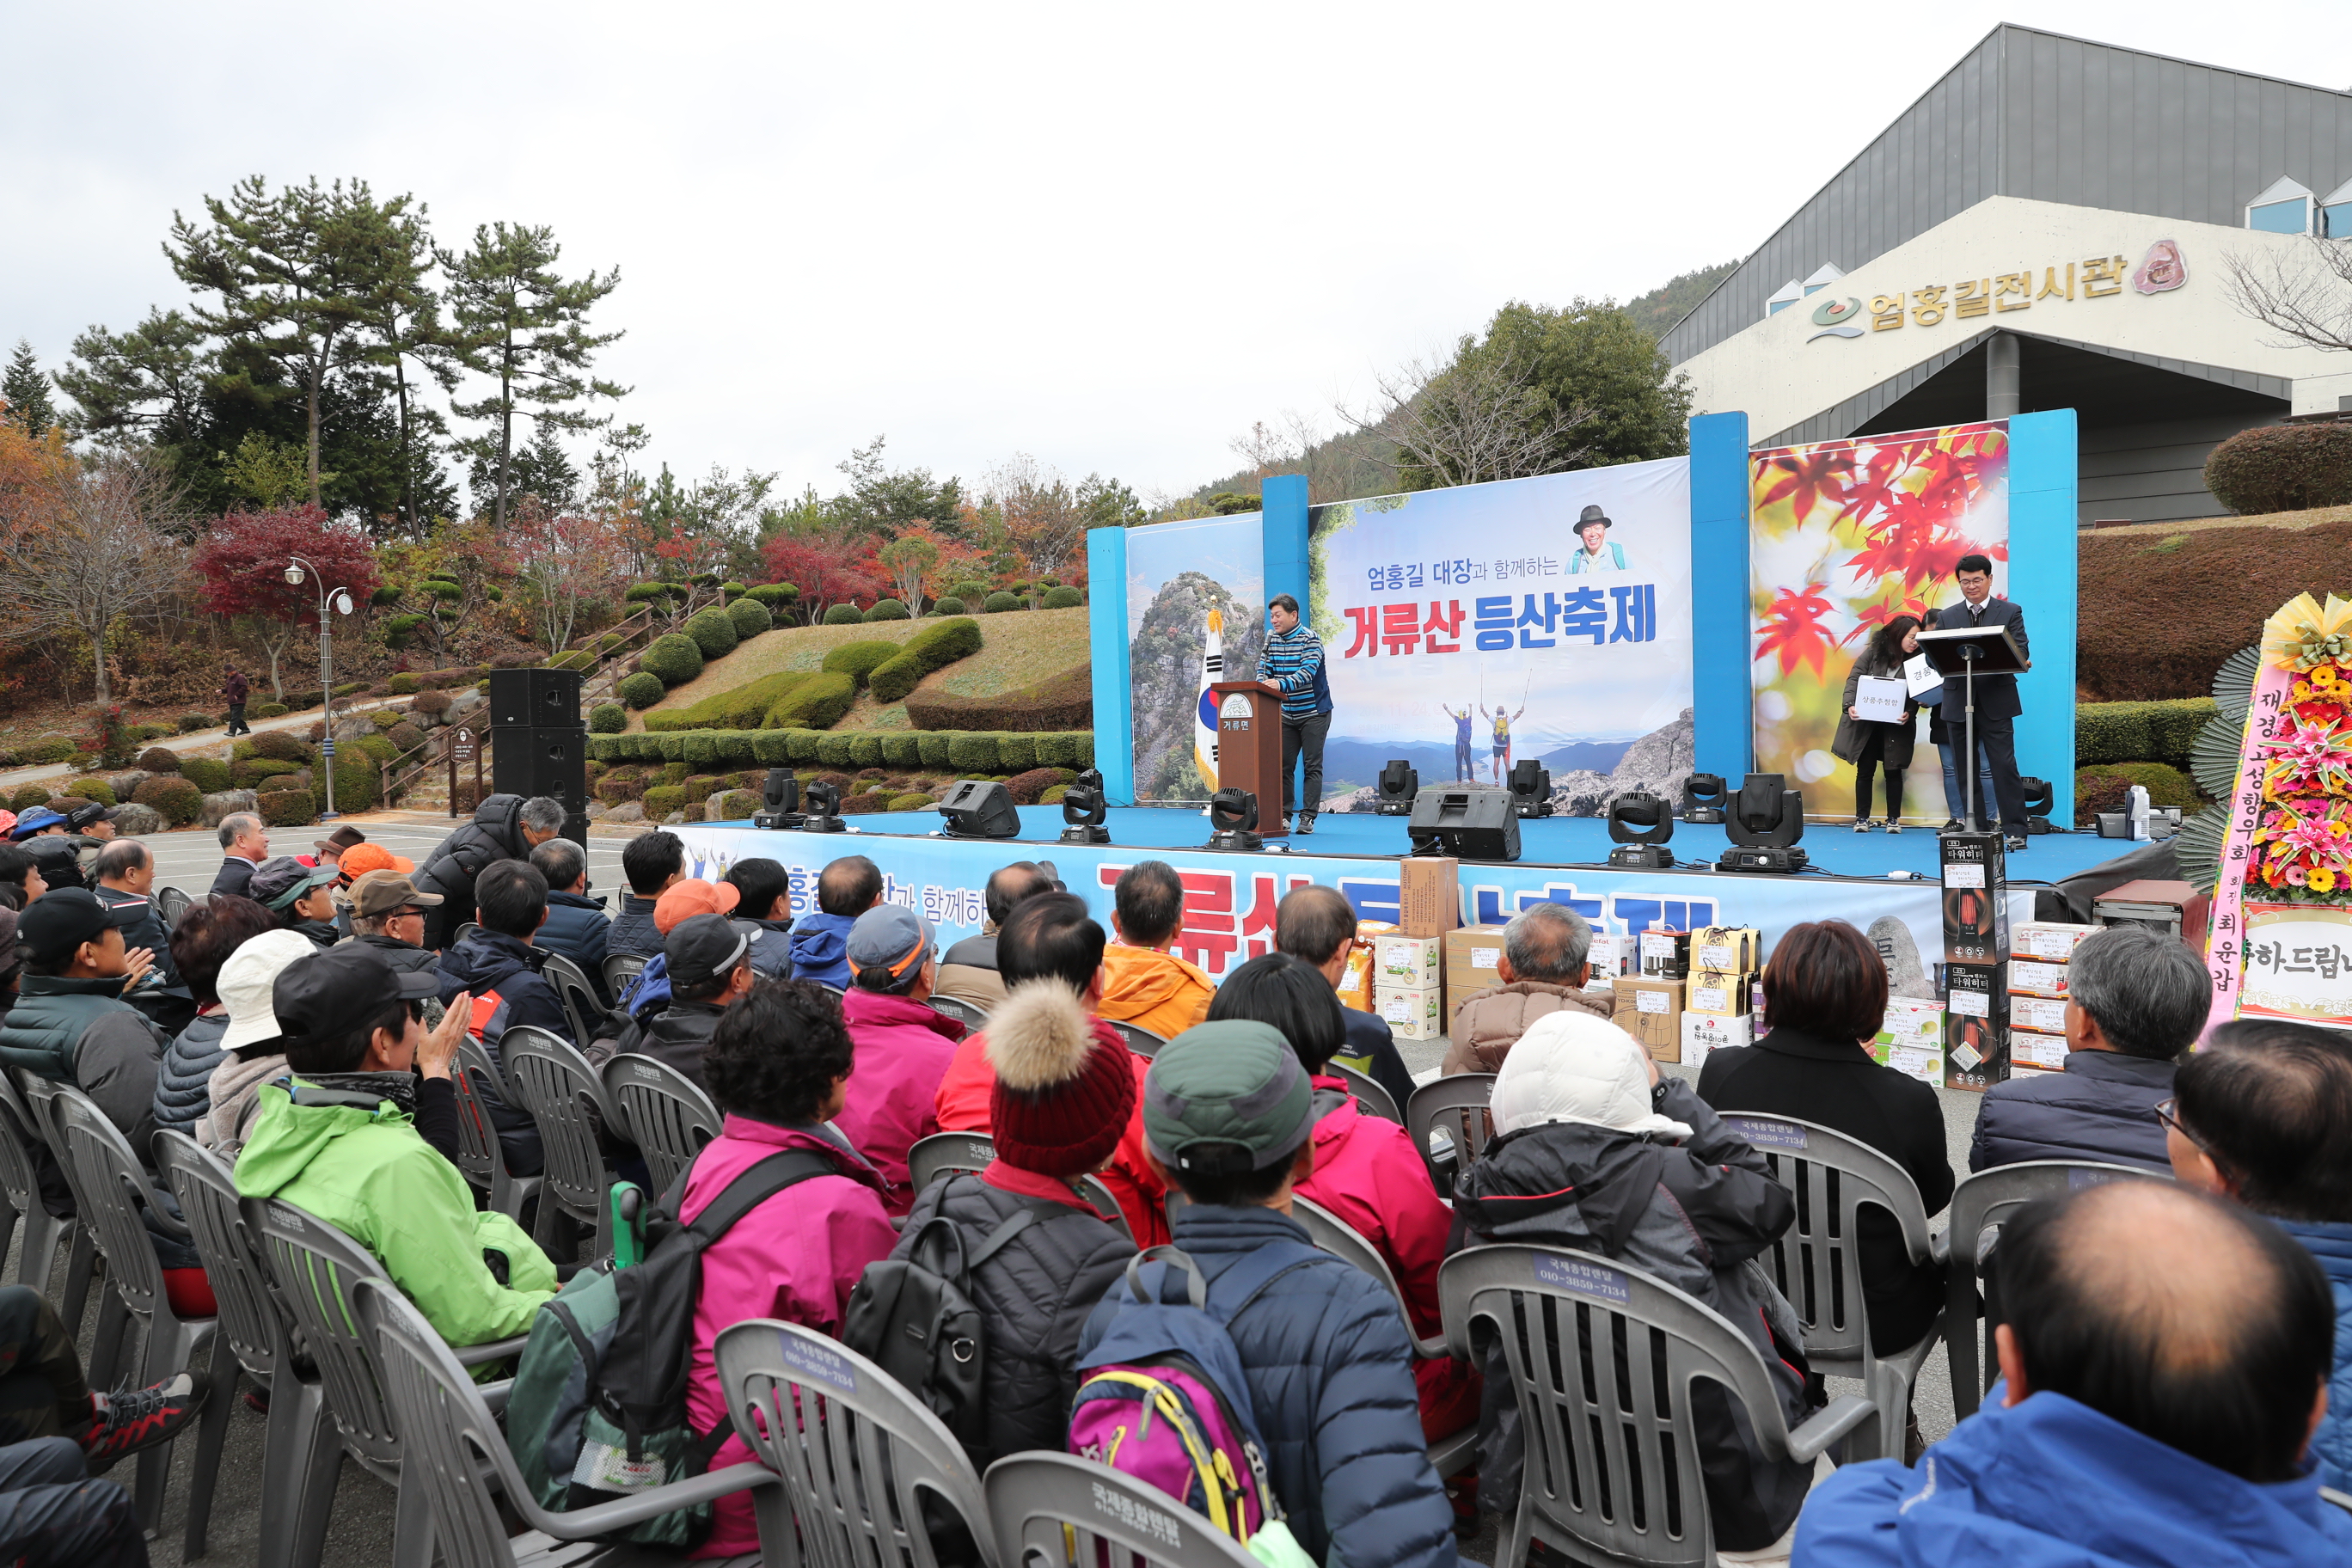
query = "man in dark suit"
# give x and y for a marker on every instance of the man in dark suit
(1997, 704)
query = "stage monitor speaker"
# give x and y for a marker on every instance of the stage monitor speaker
(1468, 823)
(534, 699)
(541, 759)
(979, 808)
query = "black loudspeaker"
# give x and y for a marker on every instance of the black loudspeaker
(1469, 824)
(979, 808)
(534, 698)
(546, 759)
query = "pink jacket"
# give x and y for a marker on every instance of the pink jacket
(1367, 1173)
(796, 1257)
(903, 1051)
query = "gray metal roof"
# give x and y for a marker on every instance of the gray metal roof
(2054, 118)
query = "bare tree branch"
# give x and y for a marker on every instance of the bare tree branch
(95, 545)
(1477, 417)
(2302, 293)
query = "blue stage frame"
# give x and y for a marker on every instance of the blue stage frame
(1723, 739)
(2044, 526)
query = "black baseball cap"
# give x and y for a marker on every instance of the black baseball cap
(702, 947)
(54, 924)
(335, 992)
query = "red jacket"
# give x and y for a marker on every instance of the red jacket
(1367, 1173)
(903, 1051)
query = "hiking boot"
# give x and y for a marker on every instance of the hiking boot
(1307, 822)
(129, 1419)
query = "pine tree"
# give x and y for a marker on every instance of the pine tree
(25, 388)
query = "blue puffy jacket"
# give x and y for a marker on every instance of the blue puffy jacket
(184, 1078)
(2103, 1106)
(2054, 1484)
(2332, 1444)
(1330, 1376)
(577, 928)
(821, 948)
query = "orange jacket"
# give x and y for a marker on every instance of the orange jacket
(1153, 990)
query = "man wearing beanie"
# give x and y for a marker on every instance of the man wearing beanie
(904, 1047)
(1062, 1096)
(1229, 1117)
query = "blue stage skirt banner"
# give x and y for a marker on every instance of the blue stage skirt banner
(1229, 899)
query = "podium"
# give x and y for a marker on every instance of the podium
(1969, 652)
(1249, 747)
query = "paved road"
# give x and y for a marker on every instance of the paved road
(196, 740)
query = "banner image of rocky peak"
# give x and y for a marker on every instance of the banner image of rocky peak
(1196, 614)
(1845, 537)
(1469, 628)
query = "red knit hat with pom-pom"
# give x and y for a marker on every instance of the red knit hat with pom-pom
(1064, 1093)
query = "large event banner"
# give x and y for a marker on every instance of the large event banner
(1847, 535)
(1469, 627)
(1195, 614)
(1229, 899)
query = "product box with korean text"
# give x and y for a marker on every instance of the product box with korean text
(1704, 1034)
(1976, 899)
(1721, 995)
(2037, 977)
(1652, 1012)
(1473, 958)
(1727, 949)
(1665, 955)
(1410, 1012)
(2042, 1015)
(2052, 941)
(1976, 1025)
(1400, 961)
(1615, 955)
(1429, 895)
(2030, 1049)
(1910, 1038)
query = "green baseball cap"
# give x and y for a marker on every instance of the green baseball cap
(1226, 1096)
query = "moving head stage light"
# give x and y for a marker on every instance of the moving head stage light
(1470, 824)
(1082, 809)
(1233, 816)
(979, 808)
(824, 802)
(1530, 783)
(1703, 797)
(1765, 819)
(1640, 824)
(1399, 783)
(2039, 797)
(780, 801)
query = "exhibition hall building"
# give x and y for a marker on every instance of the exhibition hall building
(2055, 224)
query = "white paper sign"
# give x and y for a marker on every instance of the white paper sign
(1963, 874)
(1921, 677)
(1653, 1001)
(1971, 1004)
(1485, 957)
(1880, 702)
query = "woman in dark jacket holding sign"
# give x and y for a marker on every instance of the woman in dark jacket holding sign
(1869, 744)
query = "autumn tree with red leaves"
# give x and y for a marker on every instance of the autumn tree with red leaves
(828, 571)
(243, 557)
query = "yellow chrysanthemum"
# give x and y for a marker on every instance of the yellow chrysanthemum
(2304, 633)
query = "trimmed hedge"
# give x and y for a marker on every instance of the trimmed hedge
(270, 711)
(911, 801)
(889, 610)
(951, 605)
(377, 749)
(713, 631)
(750, 618)
(2282, 467)
(931, 649)
(2157, 618)
(357, 781)
(932, 749)
(2103, 788)
(859, 661)
(405, 685)
(641, 689)
(1063, 598)
(866, 749)
(1063, 702)
(738, 708)
(1029, 788)
(209, 774)
(98, 792)
(996, 604)
(901, 749)
(844, 616)
(250, 772)
(277, 745)
(405, 737)
(832, 751)
(967, 754)
(607, 718)
(178, 801)
(288, 808)
(192, 723)
(663, 799)
(2139, 731)
(432, 702)
(1015, 753)
(817, 703)
(973, 754)
(675, 657)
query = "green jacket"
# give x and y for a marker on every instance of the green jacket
(372, 1175)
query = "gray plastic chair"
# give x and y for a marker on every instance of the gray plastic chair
(854, 1448)
(620, 969)
(172, 903)
(1337, 1237)
(1374, 1100)
(463, 932)
(250, 1337)
(1050, 1510)
(40, 1097)
(666, 1114)
(1455, 1106)
(460, 1458)
(316, 1271)
(1139, 1040)
(1817, 1261)
(944, 1153)
(1612, 1469)
(961, 1011)
(481, 1158)
(120, 1192)
(573, 989)
(1980, 1204)
(555, 1084)
(21, 1146)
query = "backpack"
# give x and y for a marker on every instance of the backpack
(1165, 1400)
(598, 1408)
(914, 1317)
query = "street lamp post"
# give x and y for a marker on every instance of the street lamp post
(340, 599)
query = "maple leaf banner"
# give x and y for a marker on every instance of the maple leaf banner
(1843, 537)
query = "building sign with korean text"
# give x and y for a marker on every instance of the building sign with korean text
(2059, 284)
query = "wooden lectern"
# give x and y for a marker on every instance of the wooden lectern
(1249, 746)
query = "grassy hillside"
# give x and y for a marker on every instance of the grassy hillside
(1019, 647)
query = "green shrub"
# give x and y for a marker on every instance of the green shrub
(866, 749)
(738, 708)
(139, 733)
(2137, 732)
(614, 790)
(96, 792)
(971, 753)
(280, 745)
(1028, 787)
(356, 782)
(972, 591)
(901, 749)
(675, 657)
(405, 737)
(816, 703)
(663, 799)
(270, 709)
(641, 689)
(1063, 701)
(2166, 785)
(750, 618)
(713, 632)
(949, 605)
(860, 659)
(1065, 599)
(207, 774)
(738, 804)
(1016, 754)
(192, 723)
(832, 751)
(911, 801)
(801, 745)
(175, 799)
(607, 718)
(248, 774)
(770, 749)
(996, 604)
(774, 596)
(933, 649)
(286, 808)
(404, 685)
(888, 610)
(50, 751)
(377, 749)
(932, 749)
(844, 616)
(698, 786)
(1056, 750)
(160, 760)
(650, 593)
(1053, 795)
(28, 796)
(730, 591)
(673, 772)
(2282, 467)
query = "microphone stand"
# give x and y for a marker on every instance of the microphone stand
(1969, 653)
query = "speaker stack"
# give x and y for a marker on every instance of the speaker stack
(539, 743)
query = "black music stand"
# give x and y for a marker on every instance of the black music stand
(1965, 651)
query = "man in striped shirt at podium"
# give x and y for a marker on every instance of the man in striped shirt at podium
(1294, 663)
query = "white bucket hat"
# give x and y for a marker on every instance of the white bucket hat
(1572, 1066)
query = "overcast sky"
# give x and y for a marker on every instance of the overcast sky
(1109, 236)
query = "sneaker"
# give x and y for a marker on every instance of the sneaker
(1951, 824)
(1864, 824)
(1893, 825)
(129, 1419)
(2013, 842)
(1307, 823)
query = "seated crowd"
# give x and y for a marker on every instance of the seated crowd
(2167, 1349)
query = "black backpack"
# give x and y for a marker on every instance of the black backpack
(914, 1317)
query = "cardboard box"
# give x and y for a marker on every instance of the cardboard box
(1652, 1012)
(1615, 955)
(1472, 955)
(1407, 961)
(1976, 1025)
(1727, 949)
(1976, 899)
(1410, 1010)
(1910, 1038)
(2042, 1015)
(1703, 1033)
(2053, 940)
(1429, 895)
(1721, 995)
(1665, 955)
(2033, 977)
(2028, 1048)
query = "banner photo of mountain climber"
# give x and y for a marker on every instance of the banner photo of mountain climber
(1851, 544)
(1196, 614)
(1468, 628)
